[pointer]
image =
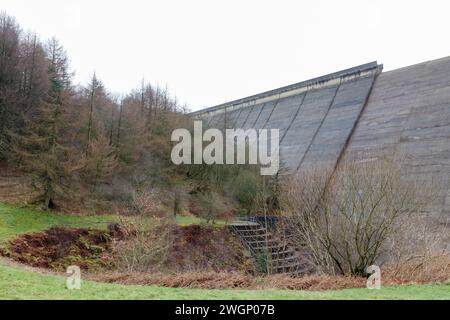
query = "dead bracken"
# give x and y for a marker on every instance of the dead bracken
(191, 248)
(57, 248)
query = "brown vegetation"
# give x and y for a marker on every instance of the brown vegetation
(184, 249)
(199, 257)
(78, 147)
(180, 249)
(59, 248)
(228, 280)
(346, 217)
(435, 270)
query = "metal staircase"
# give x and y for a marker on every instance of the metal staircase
(271, 253)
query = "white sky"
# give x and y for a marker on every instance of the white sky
(208, 52)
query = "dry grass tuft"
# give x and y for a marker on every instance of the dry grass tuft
(230, 280)
(418, 270)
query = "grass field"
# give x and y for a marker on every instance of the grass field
(16, 283)
(20, 283)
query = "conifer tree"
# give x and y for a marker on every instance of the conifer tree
(41, 148)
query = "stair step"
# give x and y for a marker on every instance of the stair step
(284, 253)
(283, 259)
(291, 258)
(272, 249)
(262, 242)
(245, 225)
(253, 237)
(252, 232)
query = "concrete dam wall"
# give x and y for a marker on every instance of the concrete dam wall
(408, 113)
(360, 110)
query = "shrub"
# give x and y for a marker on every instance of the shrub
(345, 217)
(245, 189)
(145, 241)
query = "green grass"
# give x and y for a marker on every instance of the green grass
(19, 283)
(15, 221)
(16, 283)
(188, 220)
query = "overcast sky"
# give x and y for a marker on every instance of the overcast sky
(208, 52)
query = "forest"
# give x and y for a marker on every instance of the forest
(81, 147)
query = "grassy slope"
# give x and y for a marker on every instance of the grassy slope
(20, 284)
(14, 221)
(17, 283)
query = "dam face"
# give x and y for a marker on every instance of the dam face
(361, 110)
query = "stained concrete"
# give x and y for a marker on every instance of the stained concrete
(408, 116)
(404, 113)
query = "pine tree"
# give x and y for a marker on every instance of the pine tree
(95, 87)
(101, 162)
(9, 78)
(41, 148)
(100, 156)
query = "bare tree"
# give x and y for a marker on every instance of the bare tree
(147, 236)
(345, 217)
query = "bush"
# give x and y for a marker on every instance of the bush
(245, 188)
(145, 239)
(419, 251)
(144, 247)
(346, 217)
